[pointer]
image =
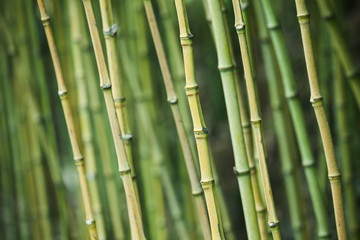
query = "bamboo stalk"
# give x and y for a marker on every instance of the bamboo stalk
(342, 49)
(298, 120)
(343, 133)
(124, 168)
(110, 33)
(285, 139)
(78, 158)
(256, 120)
(85, 123)
(173, 101)
(318, 105)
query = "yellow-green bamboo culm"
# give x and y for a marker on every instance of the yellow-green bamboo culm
(134, 212)
(173, 101)
(85, 123)
(297, 116)
(256, 120)
(200, 130)
(62, 91)
(318, 105)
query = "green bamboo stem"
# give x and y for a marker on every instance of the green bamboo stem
(342, 49)
(256, 120)
(136, 226)
(111, 180)
(343, 133)
(173, 101)
(110, 33)
(318, 105)
(285, 140)
(85, 123)
(78, 158)
(298, 120)
(200, 130)
(53, 162)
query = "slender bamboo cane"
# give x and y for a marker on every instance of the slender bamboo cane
(318, 105)
(298, 120)
(285, 139)
(111, 180)
(78, 158)
(256, 119)
(173, 101)
(200, 130)
(85, 123)
(137, 231)
(342, 49)
(110, 33)
(344, 151)
(66, 217)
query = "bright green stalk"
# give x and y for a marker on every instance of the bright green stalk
(342, 49)
(318, 105)
(85, 122)
(172, 99)
(343, 133)
(298, 120)
(78, 158)
(136, 225)
(255, 119)
(292, 183)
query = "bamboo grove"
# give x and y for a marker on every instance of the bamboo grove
(174, 119)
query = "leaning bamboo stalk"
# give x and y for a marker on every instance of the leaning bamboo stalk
(255, 119)
(62, 91)
(85, 123)
(102, 136)
(65, 214)
(173, 101)
(286, 141)
(110, 33)
(200, 130)
(136, 225)
(342, 49)
(343, 133)
(318, 105)
(297, 116)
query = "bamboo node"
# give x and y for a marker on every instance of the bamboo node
(111, 31)
(127, 137)
(186, 36)
(316, 100)
(125, 171)
(304, 17)
(45, 20)
(292, 95)
(334, 177)
(62, 93)
(273, 224)
(173, 101)
(241, 172)
(79, 159)
(207, 183)
(227, 68)
(119, 100)
(240, 27)
(106, 86)
(90, 222)
(197, 193)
